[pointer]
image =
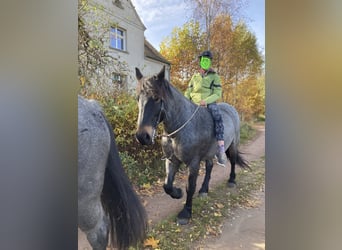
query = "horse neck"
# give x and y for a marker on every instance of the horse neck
(178, 110)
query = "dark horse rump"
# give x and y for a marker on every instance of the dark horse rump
(107, 204)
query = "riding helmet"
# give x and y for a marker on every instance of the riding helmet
(206, 53)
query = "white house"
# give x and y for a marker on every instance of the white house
(125, 41)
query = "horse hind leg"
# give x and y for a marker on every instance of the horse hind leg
(232, 156)
(98, 235)
(203, 192)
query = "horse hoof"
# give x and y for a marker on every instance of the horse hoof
(182, 221)
(177, 194)
(203, 195)
(231, 185)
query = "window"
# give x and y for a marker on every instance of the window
(117, 38)
(119, 80)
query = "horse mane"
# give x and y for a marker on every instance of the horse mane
(154, 87)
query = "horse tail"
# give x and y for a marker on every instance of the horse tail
(128, 219)
(241, 161)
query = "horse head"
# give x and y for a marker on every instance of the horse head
(151, 92)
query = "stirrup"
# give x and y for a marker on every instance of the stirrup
(220, 163)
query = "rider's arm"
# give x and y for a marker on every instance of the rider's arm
(216, 90)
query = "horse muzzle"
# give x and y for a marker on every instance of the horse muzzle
(145, 136)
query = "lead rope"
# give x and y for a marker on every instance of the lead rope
(181, 127)
(176, 131)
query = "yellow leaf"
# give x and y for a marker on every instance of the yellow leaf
(151, 242)
(219, 205)
(217, 214)
(83, 80)
(146, 185)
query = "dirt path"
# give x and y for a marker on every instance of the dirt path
(245, 230)
(239, 231)
(161, 205)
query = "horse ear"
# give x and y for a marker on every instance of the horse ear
(138, 74)
(161, 74)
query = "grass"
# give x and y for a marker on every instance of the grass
(208, 213)
(246, 132)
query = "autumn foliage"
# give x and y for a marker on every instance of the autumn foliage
(236, 59)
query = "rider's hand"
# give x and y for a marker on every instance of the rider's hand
(203, 103)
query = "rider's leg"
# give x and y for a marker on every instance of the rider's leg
(219, 132)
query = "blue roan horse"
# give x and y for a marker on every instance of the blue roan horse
(189, 134)
(107, 204)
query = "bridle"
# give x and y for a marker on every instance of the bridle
(159, 120)
(154, 135)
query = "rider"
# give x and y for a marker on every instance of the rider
(205, 89)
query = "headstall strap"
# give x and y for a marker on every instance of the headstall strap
(154, 132)
(154, 135)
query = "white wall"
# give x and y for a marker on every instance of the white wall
(128, 20)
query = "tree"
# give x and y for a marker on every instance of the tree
(182, 49)
(250, 97)
(236, 59)
(222, 46)
(205, 11)
(235, 49)
(96, 65)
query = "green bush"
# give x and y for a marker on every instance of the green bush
(138, 174)
(261, 118)
(142, 163)
(246, 132)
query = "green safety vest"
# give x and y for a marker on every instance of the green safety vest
(207, 88)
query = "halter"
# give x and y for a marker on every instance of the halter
(157, 121)
(174, 132)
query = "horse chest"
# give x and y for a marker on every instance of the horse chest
(184, 150)
(173, 148)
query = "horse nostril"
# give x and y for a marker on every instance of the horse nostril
(147, 138)
(143, 138)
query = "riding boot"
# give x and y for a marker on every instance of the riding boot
(221, 157)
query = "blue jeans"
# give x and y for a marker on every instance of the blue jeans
(218, 123)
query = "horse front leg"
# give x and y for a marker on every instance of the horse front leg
(184, 216)
(171, 170)
(203, 192)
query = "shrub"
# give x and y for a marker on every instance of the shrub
(143, 164)
(246, 132)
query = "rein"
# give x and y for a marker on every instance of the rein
(181, 127)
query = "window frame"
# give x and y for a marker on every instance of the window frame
(119, 80)
(115, 36)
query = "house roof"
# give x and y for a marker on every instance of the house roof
(136, 14)
(152, 53)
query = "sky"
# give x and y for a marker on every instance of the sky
(161, 16)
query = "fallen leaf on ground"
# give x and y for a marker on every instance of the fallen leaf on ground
(217, 214)
(219, 205)
(151, 242)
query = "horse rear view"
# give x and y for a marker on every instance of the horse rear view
(107, 204)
